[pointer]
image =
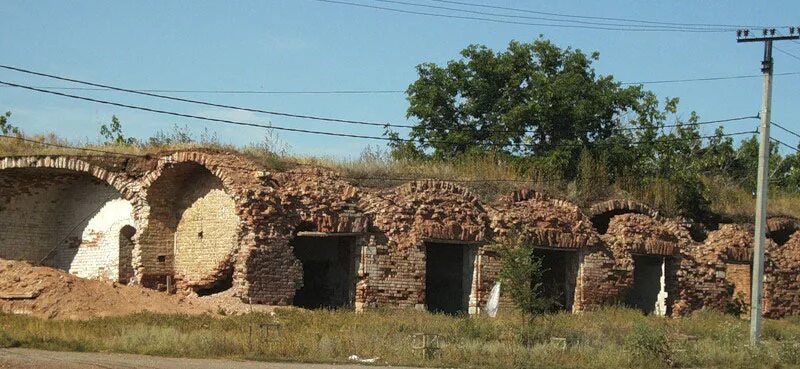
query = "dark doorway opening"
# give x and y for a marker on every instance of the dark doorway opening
(559, 276)
(328, 271)
(648, 292)
(126, 234)
(448, 277)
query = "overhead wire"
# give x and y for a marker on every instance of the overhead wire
(61, 146)
(280, 128)
(706, 79)
(239, 92)
(593, 17)
(367, 92)
(786, 129)
(787, 53)
(293, 115)
(492, 20)
(670, 27)
(784, 144)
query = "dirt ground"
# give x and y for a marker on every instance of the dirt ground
(54, 294)
(30, 359)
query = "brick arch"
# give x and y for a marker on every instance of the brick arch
(116, 179)
(318, 200)
(219, 180)
(643, 234)
(74, 209)
(435, 210)
(542, 220)
(781, 228)
(601, 213)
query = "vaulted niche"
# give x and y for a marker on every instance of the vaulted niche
(65, 219)
(329, 270)
(192, 229)
(448, 277)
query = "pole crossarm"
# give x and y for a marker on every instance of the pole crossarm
(767, 34)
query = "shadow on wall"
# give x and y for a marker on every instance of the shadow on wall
(65, 219)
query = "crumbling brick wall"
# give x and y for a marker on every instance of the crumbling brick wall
(608, 267)
(782, 285)
(637, 234)
(704, 283)
(404, 218)
(253, 214)
(780, 228)
(536, 219)
(601, 213)
(306, 199)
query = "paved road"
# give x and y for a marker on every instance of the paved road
(29, 359)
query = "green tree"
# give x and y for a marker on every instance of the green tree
(521, 273)
(6, 128)
(531, 99)
(113, 135)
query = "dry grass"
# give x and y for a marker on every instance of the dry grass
(609, 338)
(486, 177)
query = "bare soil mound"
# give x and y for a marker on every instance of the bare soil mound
(54, 294)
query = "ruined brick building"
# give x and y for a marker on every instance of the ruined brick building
(214, 221)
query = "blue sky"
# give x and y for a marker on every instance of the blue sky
(311, 45)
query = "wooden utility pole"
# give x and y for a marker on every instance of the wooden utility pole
(757, 290)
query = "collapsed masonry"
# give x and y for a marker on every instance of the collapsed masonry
(210, 221)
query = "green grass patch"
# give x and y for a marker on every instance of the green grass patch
(612, 337)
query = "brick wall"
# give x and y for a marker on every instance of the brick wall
(69, 220)
(209, 212)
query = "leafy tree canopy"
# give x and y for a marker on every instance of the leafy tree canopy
(5, 127)
(526, 100)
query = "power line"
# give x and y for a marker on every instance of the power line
(596, 17)
(299, 130)
(552, 19)
(787, 53)
(237, 92)
(198, 102)
(293, 115)
(511, 22)
(784, 144)
(786, 129)
(706, 79)
(68, 147)
(198, 117)
(357, 92)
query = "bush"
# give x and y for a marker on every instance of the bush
(521, 273)
(648, 343)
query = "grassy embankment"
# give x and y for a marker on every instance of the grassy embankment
(373, 168)
(610, 338)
